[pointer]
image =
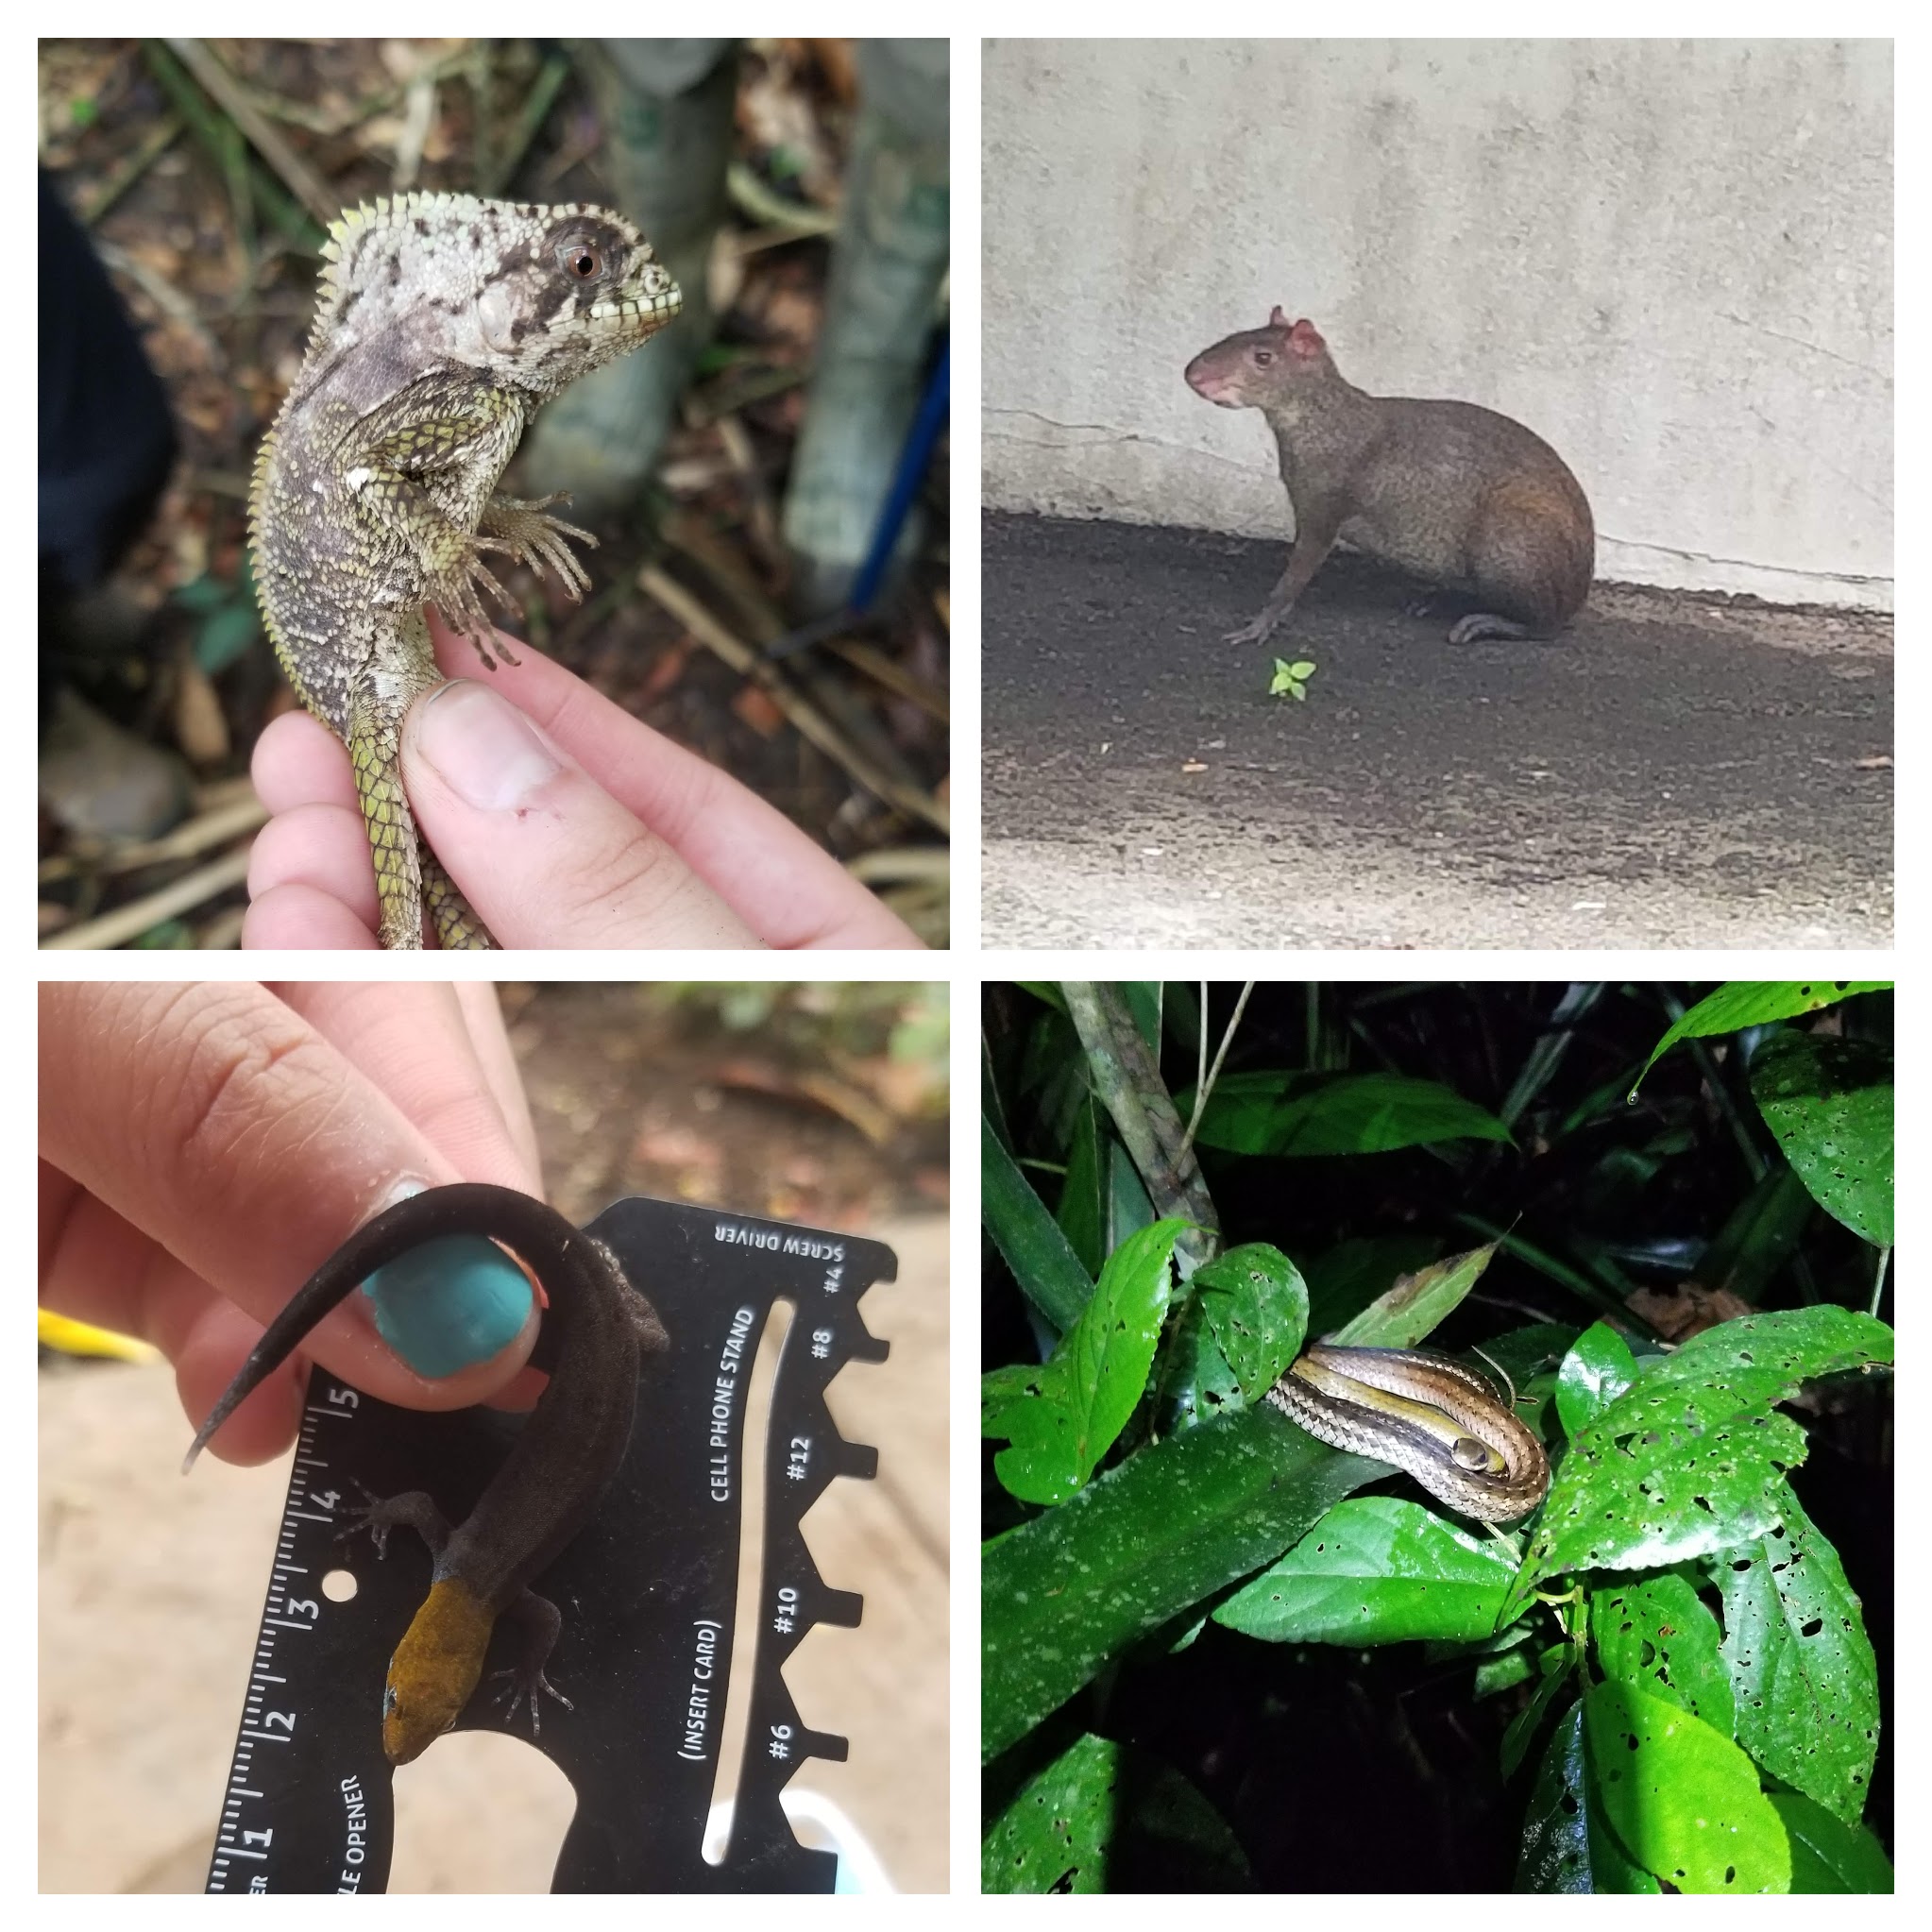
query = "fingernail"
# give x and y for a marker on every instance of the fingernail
(450, 1303)
(487, 751)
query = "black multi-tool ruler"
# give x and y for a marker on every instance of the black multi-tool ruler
(648, 1589)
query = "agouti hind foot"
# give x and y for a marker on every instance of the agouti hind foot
(1257, 632)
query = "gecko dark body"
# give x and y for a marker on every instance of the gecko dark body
(565, 1455)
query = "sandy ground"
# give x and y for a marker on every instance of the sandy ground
(1674, 772)
(151, 1589)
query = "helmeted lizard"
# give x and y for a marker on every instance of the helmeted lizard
(442, 322)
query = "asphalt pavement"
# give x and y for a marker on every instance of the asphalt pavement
(1674, 770)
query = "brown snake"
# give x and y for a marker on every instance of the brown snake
(1442, 1423)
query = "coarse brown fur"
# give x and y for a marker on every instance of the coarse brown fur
(1455, 494)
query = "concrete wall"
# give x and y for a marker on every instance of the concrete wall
(1670, 259)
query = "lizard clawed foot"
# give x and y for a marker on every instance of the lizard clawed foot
(527, 1684)
(371, 1520)
(526, 533)
(455, 590)
(534, 538)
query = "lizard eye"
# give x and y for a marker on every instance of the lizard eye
(581, 259)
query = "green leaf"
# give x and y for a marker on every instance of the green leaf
(1829, 1102)
(1283, 1112)
(1825, 1854)
(1169, 1528)
(1376, 1571)
(1049, 1273)
(1801, 1664)
(1105, 1817)
(1180, 1014)
(1129, 1206)
(1494, 1675)
(1344, 1279)
(1690, 1458)
(171, 934)
(1742, 1003)
(1064, 1416)
(1683, 1800)
(1196, 1380)
(1553, 1667)
(1658, 1635)
(1567, 1843)
(1082, 1214)
(1597, 1368)
(1758, 1238)
(1417, 1304)
(1142, 998)
(1256, 1307)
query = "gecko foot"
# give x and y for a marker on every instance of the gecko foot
(369, 1518)
(524, 1684)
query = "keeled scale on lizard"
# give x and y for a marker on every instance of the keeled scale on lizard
(442, 322)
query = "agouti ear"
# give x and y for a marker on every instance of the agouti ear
(1305, 338)
(1277, 320)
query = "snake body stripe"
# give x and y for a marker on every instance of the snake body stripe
(1442, 1423)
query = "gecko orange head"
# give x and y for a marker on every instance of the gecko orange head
(434, 1670)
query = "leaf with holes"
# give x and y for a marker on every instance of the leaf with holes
(1063, 1416)
(1741, 1002)
(1656, 1632)
(1255, 1302)
(1801, 1666)
(1681, 1799)
(1829, 1102)
(1690, 1458)
(1567, 1843)
(1106, 1816)
(1141, 1545)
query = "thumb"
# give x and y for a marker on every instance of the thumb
(543, 853)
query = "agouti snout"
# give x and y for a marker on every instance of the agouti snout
(1448, 491)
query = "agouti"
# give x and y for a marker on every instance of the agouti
(1448, 491)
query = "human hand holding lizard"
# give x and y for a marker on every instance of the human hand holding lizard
(203, 1146)
(566, 822)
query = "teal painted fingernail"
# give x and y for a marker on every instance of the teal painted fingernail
(450, 1303)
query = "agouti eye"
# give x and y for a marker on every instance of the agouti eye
(1263, 357)
(580, 259)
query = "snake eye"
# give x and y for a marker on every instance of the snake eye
(1468, 1453)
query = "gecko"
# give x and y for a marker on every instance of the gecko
(442, 322)
(549, 1484)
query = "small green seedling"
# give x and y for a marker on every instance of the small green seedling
(1291, 679)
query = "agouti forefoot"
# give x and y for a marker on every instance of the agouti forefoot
(1448, 491)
